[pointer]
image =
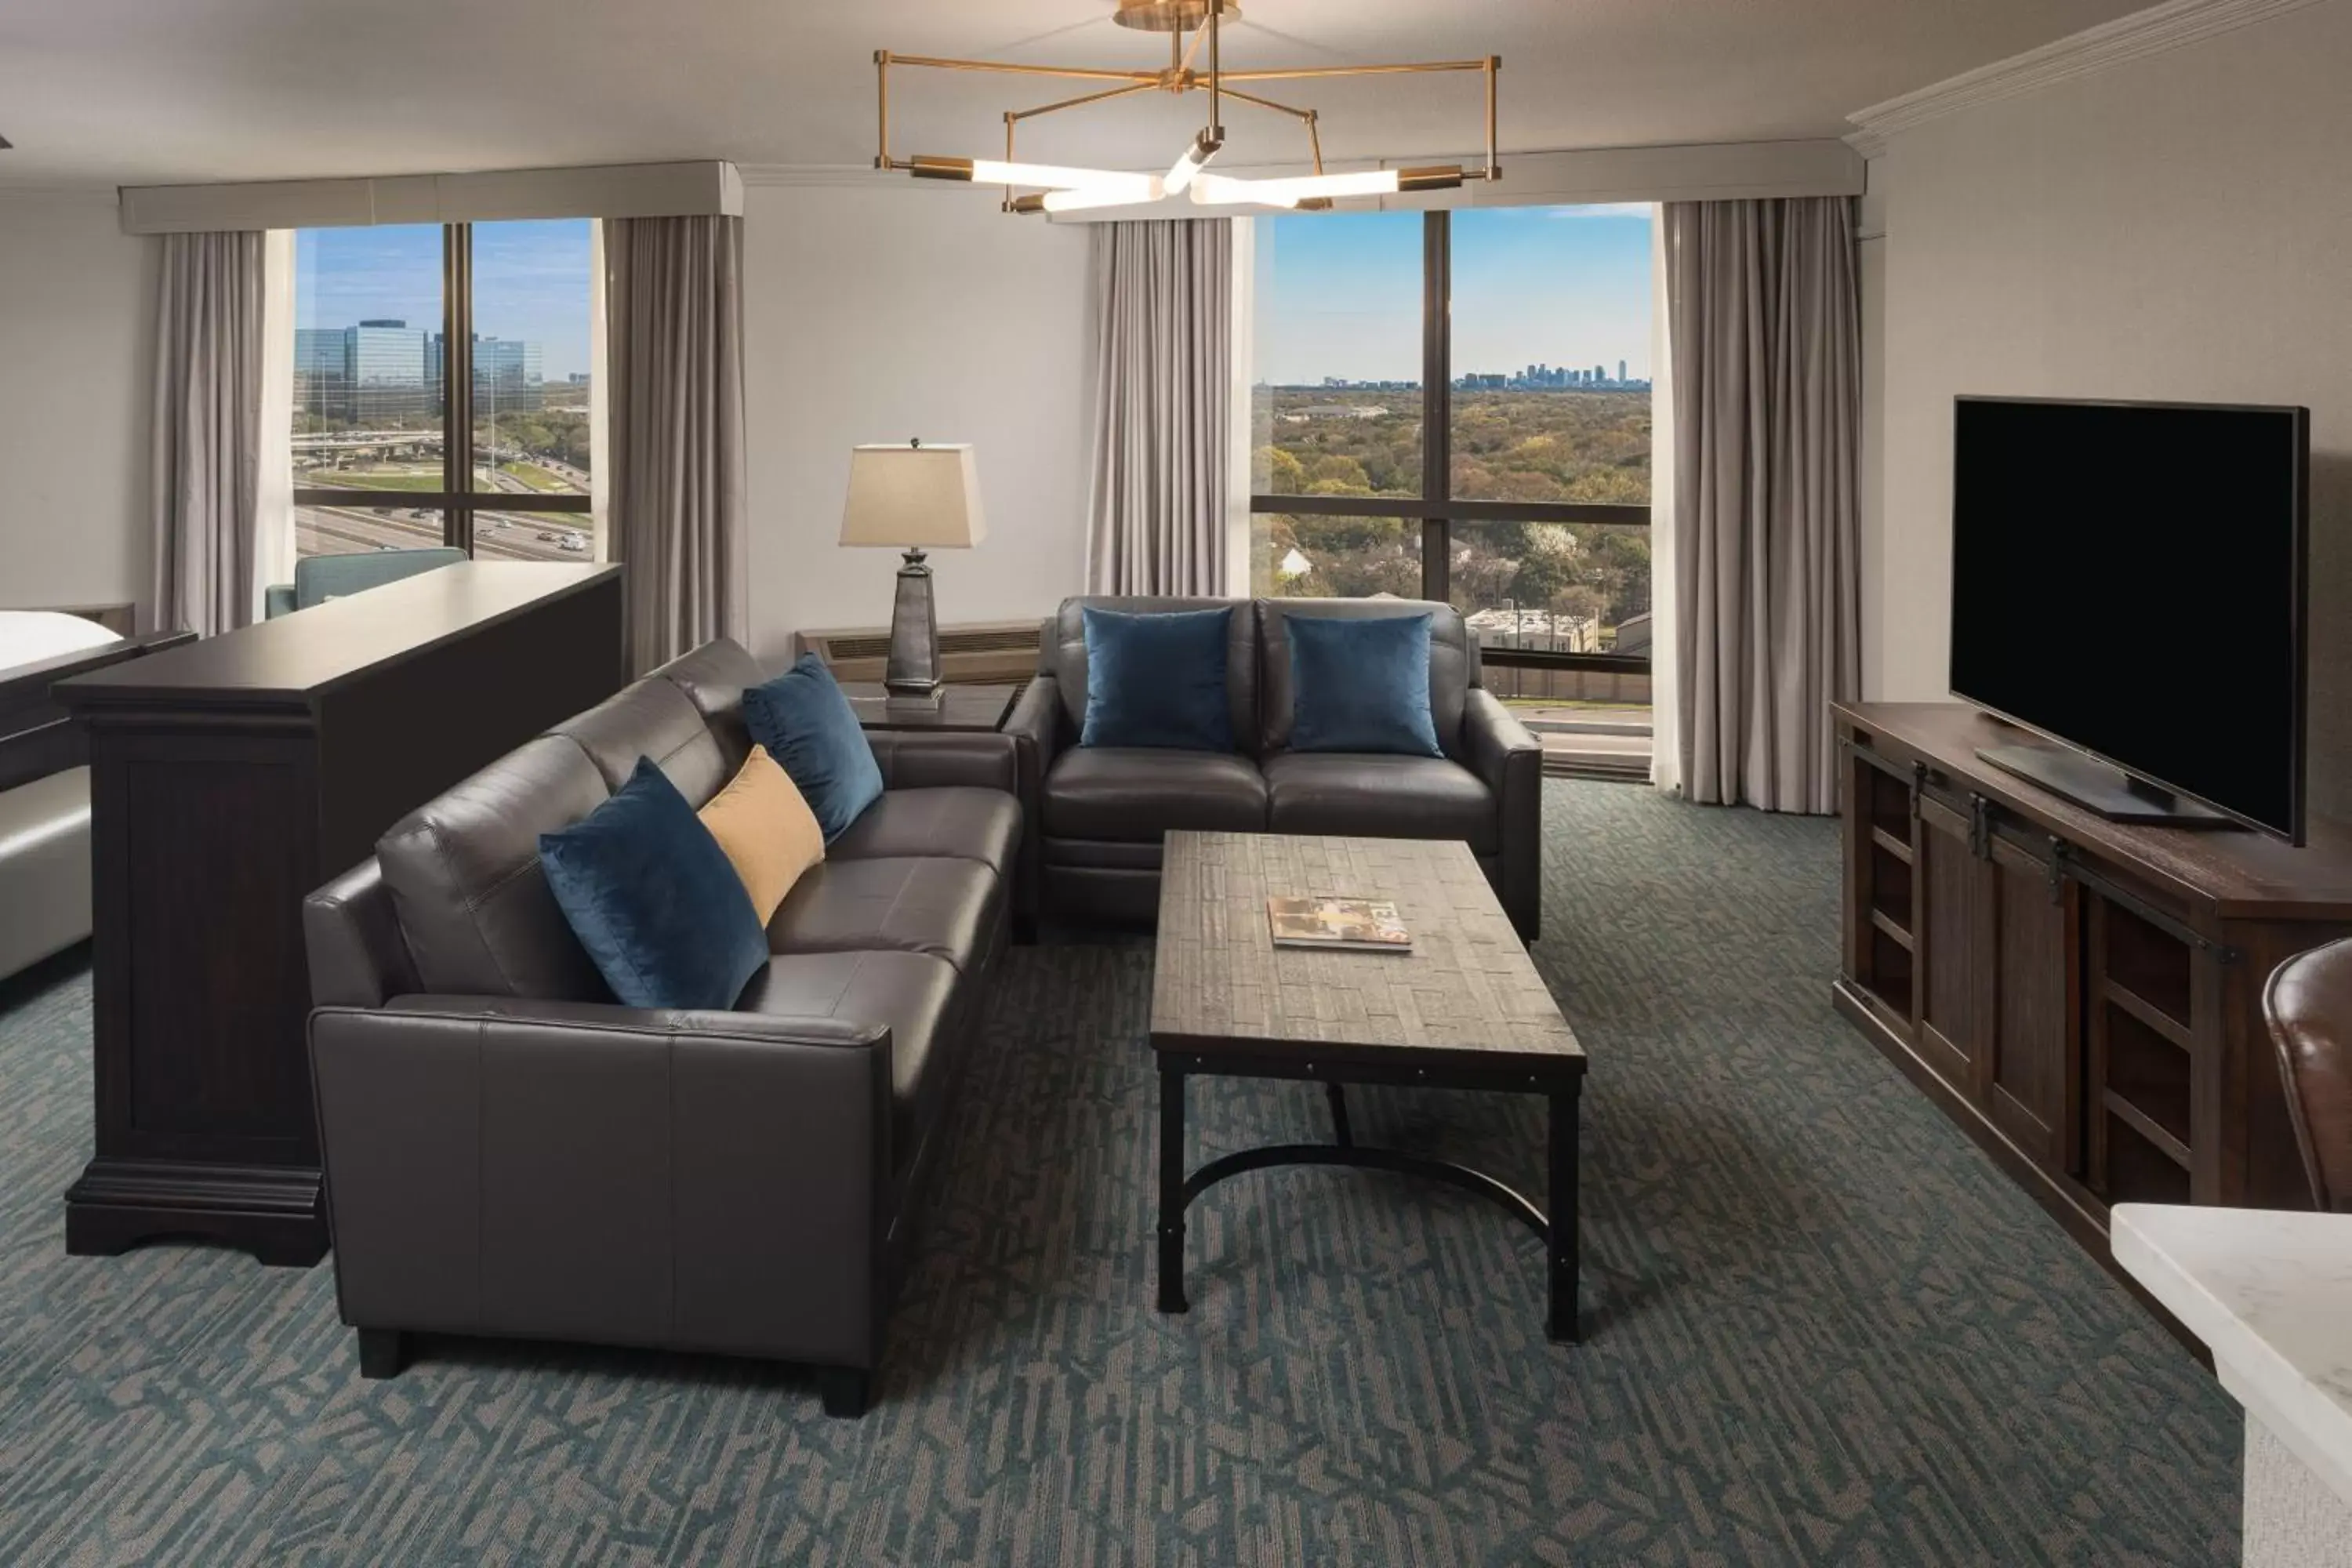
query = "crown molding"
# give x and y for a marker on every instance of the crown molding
(2154, 31)
(1869, 144)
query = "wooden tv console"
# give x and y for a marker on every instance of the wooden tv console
(2084, 998)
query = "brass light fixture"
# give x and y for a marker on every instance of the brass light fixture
(1196, 65)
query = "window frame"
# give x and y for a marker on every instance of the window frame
(457, 500)
(1436, 507)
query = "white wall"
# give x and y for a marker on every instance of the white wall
(77, 314)
(2176, 226)
(874, 315)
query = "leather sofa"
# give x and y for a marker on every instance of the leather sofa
(1097, 814)
(510, 1152)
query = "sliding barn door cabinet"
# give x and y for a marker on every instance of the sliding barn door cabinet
(2083, 997)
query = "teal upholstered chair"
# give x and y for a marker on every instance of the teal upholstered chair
(318, 578)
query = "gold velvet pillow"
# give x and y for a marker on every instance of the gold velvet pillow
(767, 830)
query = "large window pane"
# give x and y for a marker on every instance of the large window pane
(1554, 588)
(1304, 556)
(531, 335)
(1337, 407)
(1563, 587)
(1551, 322)
(367, 364)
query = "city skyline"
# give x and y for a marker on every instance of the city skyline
(530, 283)
(1338, 296)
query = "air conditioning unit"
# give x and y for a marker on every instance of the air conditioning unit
(976, 653)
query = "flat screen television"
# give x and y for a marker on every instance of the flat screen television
(2128, 580)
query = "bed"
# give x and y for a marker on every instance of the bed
(44, 783)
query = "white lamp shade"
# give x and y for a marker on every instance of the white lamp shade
(913, 497)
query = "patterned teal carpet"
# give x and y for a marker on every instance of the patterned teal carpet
(1822, 1329)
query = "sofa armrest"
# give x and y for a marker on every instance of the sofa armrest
(277, 599)
(912, 759)
(1035, 726)
(1506, 755)
(699, 1179)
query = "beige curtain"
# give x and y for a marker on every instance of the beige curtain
(674, 336)
(1163, 361)
(1763, 318)
(207, 435)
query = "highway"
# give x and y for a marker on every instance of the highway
(336, 529)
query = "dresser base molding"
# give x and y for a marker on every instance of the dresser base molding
(273, 1212)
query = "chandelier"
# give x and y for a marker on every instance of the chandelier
(1195, 64)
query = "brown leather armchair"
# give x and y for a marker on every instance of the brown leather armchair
(2309, 1006)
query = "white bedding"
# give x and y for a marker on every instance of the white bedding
(29, 636)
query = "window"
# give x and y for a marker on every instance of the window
(450, 365)
(1455, 406)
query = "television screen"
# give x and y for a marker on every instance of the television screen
(2128, 579)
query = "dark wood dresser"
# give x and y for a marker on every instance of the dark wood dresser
(2085, 998)
(230, 777)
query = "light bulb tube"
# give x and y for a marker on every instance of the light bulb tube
(1101, 197)
(1217, 190)
(1291, 192)
(1182, 172)
(1053, 176)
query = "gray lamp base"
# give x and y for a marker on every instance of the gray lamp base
(913, 670)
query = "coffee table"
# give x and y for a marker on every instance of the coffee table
(1465, 1009)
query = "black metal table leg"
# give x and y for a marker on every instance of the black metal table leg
(1172, 1197)
(1340, 1132)
(1561, 1246)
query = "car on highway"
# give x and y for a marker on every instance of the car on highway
(573, 543)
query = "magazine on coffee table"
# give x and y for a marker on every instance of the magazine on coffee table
(1348, 925)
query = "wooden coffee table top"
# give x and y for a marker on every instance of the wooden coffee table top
(1468, 986)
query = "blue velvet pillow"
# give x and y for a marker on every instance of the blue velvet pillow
(1158, 681)
(1361, 685)
(654, 899)
(810, 729)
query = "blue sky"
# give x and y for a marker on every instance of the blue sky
(1339, 294)
(531, 280)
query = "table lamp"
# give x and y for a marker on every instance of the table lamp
(913, 497)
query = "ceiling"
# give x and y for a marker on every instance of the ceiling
(131, 91)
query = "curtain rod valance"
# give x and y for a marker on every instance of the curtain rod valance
(612, 190)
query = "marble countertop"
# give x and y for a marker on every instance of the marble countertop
(2271, 1295)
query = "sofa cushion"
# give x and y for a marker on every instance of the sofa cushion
(942, 907)
(463, 871)
(982, 825)
(765, 830)
(1453, 663)
(809, 727)
(913, 993)
(1157, 681)
(1362, 684)
(1064, 654)
(1130, 796)
(1374, 797)
(654, 899)
(651, 718)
